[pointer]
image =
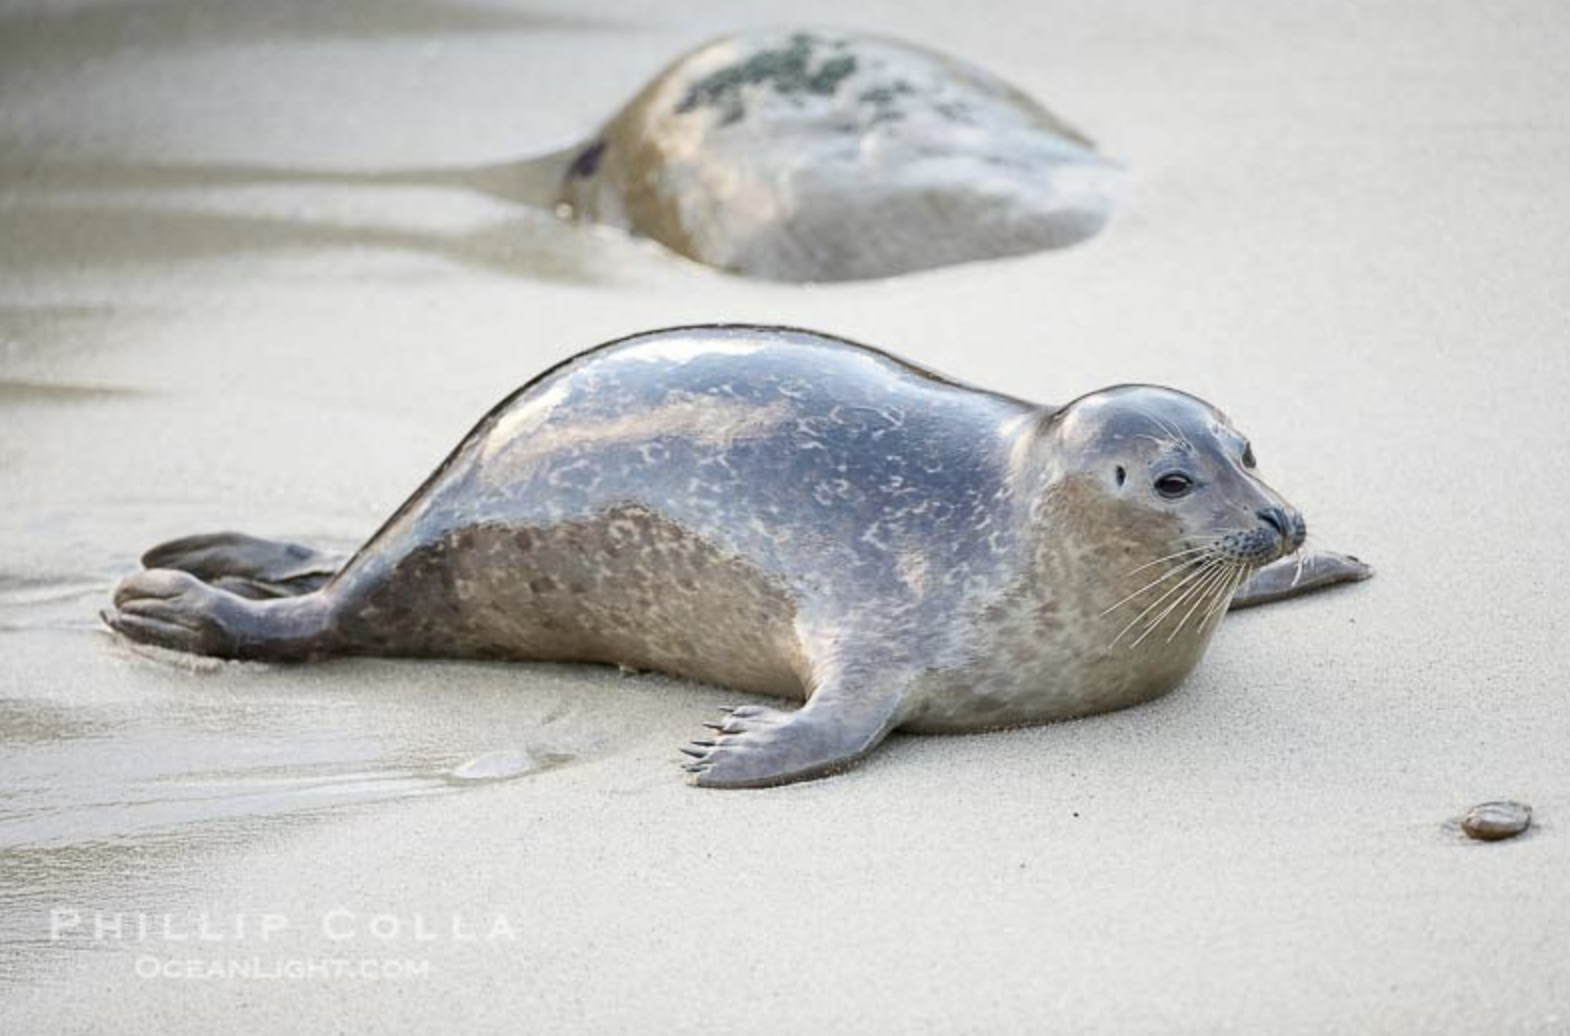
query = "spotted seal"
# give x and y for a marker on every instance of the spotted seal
(795, 515)
(814, 156)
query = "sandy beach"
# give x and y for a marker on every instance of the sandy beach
(262, 264)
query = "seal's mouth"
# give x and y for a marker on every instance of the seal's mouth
(1278, 534)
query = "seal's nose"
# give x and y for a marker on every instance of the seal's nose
(1277, 519)
(1289, 526)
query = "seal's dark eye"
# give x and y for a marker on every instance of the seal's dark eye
(1248, 455)
(1174, 485)
(1122, 475)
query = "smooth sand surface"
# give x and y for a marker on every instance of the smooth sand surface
(262, 264)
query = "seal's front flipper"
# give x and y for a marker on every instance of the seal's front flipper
(176, 610)
(1300, 574)
(246, 565)
(755, 747)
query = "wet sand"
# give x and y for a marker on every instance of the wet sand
(261, 265)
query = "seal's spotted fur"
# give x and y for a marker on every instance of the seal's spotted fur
(785, 513)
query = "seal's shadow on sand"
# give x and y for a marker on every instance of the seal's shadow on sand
(113, 211)
(81, 32)
(129, 223)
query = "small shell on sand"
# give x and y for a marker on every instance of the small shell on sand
(1496, 821)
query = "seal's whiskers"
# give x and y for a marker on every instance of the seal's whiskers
(1171, 433)
(1169, 557)
(1214, 586)
(1168, 574)
(1237, 584)
(1181, 592)
(1218, 608)
(1153, 605)
(1196, 591)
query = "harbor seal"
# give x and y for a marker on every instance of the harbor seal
(828, 156)
(790, 514)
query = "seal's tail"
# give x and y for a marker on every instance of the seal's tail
(245, 565)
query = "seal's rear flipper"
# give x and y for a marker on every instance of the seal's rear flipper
(176, 610)
(1300, 574)
(246, 565)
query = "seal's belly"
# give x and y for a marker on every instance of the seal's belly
(965, 704)
(625, 587)
(1045, 672)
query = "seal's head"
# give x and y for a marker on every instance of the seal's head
(1182, 516)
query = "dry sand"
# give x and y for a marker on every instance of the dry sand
(1349, 226)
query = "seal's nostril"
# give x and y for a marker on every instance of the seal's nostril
(1276, 519)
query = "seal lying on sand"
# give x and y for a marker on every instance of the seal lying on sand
(795, 515)
(820, 157)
